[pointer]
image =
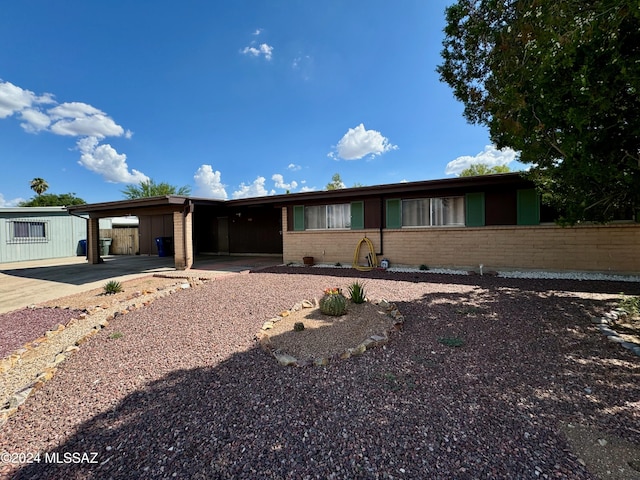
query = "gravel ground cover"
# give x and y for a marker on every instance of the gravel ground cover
(22, 326)
(180, 389)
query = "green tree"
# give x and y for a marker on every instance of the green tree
(336, 183)
(39, 185)
(483, 169)
(560, 83)
(53, 200)
(150, 188)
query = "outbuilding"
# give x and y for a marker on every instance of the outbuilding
(36, 233)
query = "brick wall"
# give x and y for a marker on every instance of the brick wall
(183, 250)
(599, 248)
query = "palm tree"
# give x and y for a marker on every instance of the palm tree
(39, 185)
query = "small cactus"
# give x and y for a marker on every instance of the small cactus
(333, 303)
(298, 327)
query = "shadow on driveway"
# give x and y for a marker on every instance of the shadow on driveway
(28, 283)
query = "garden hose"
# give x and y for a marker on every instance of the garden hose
(371, 257)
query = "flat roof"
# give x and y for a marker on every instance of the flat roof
(138, 204)
(33, 209)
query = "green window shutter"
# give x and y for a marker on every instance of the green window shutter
(298, 217)
(528, 207)
(357, 215)
(474, 209)
(394, 213)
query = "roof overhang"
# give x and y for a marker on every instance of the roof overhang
(136, 207)
(513, 180)
(174, 203)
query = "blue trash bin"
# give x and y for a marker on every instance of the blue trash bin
(160, 245)
(82, 248)
(165, 246)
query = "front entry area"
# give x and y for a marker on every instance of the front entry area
(223, 230)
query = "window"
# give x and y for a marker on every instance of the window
(321, 217)
(22, 231)
(426, 212)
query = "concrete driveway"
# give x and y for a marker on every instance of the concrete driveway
(28, 283)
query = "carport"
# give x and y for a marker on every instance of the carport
(196, 226)
(166, 216)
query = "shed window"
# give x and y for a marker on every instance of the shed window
(22, 231)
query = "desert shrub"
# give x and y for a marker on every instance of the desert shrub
(112, 287)
(630, 304)
(357, 293)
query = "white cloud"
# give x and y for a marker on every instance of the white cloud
(256, 189)
(279, 182)
(10, 203)
(34, 120)
(15, 99)
(358, 143)
(257, 32)
(293, 167)
(262, 49)
(490, 156)
(209, 183)
(79, 119)
(308, 189)
(106, 161)
(75, 119)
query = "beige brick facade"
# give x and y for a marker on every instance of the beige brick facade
(182, 240)
(596, 248)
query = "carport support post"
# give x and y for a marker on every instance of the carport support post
(93, 240)
(182, 239)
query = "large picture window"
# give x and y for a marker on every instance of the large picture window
(427, 212)
(320, 217)
(22, 231)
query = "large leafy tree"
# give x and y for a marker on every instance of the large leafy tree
(53, 200)
(150, 188)
(558, 81)
(39, 185)
(483, 169)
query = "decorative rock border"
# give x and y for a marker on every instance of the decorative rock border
(604, 324)
(102, 314)
(371, 342)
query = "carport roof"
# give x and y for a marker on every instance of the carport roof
(135, 206)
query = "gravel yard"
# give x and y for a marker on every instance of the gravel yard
(180, 389)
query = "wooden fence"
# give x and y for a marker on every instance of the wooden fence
(124, 240)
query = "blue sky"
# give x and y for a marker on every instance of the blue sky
(234, 99)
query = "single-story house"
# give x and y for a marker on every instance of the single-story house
(493, 220)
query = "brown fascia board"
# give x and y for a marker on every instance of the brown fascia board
(457, 183)
(466, 183)
(137, 203)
